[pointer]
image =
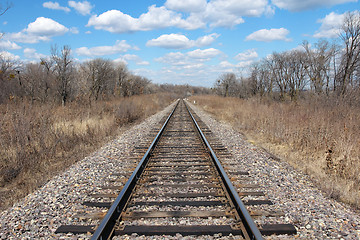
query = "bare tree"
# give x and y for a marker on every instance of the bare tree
(137, 84)
(63, 71)
(277, 64)
(10, 78)
(226, 84)
(350, 35)
(318, 64)
(296, 71)
(99, 73)
(122, 84)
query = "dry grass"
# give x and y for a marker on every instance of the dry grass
(36, 141)
(320, 136)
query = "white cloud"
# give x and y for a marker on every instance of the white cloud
(132, 57)
(179, 41)
(119, 47)
(55, 6)
(31, 54)
(173, 58)
(226, 66)
(250, 8)
(84, 8)
(229, 13)
(204, 54)
(46, 27)
(186, 5)
(182, 61)
(10, 56)
(296, 5)
(265, 35)
(155, 18)
(74, 30)
(198, 14)
(250, 54)
(330, 26)
(6, 44)
(42, 29)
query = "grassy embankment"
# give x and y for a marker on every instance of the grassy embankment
(39, 140)
(319, 136)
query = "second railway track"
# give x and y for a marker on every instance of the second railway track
(179, 187)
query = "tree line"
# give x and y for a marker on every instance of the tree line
(323, 68)
(60, 79)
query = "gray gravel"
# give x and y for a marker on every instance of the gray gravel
(58, 202)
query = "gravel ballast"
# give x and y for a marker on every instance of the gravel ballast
(58, 202)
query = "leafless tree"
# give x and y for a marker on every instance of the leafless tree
(10, 78)
(350, 36)
(278, 65)
(99, 74)
(63, 70)
(296, 71)
(122, 83)
(226, 84)
(318, 64)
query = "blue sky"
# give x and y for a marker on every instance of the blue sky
(173, 41)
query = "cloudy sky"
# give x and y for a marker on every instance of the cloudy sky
(169, 41)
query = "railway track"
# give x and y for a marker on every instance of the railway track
(180, 187)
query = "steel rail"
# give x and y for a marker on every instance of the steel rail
(251, 229)
(106, 228)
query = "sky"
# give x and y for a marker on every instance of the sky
(170, 41)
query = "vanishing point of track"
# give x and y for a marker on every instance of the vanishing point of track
(180, 179)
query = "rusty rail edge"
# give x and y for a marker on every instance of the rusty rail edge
(106, 228)
(251, 229)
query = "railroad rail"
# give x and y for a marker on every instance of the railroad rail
(178, 187)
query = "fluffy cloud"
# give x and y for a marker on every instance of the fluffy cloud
(198, 14)
(10, 56)
(119, 47)
(132, 57)
(190, 58)
(46, 27)
(179, 41)
(250, 54)
(40, 30)
(55, 6)
(31, 54)
(330, 26)
(204, 54)
(84, 8)
(186, 5)
(6, 44)
(295, 5)
(265, 35)
(174, 58)
(155, 18)
(229, 13)
(230, 67)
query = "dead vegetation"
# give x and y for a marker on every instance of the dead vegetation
(318, 135)
(38, 140)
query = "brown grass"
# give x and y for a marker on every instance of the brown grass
(320, 136)
(38, 140)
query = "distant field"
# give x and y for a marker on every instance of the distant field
(319, 136)
(39, 140)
